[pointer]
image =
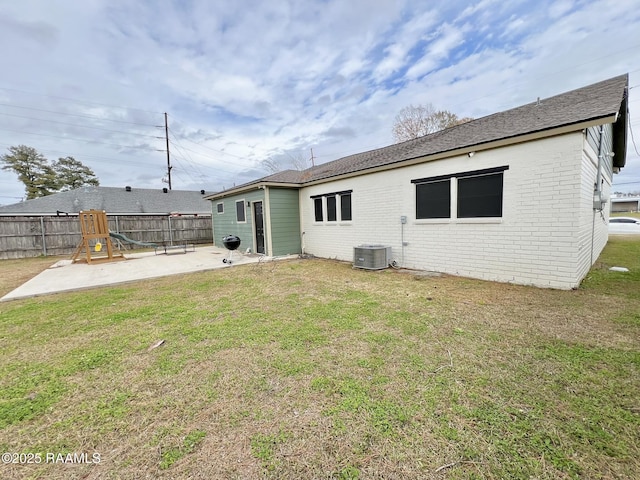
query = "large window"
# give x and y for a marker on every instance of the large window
(332, 214)
(433, 199)
(317, 206)
(328, 206)
(345, 207)
(240, 215)
(479, 194)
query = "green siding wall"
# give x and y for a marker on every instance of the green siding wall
(226, 224)
(284, 215)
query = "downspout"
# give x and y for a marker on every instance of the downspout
(301, 220)
(597, 192)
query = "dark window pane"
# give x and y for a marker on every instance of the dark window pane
(221, 208)
(345, 207)
(317, 204)
(433, 199)
(331, 208)
(240, 211)
(480, 196)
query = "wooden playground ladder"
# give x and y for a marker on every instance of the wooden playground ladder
(95, 228)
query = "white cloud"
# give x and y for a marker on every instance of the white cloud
(448, 38)
(248, 80)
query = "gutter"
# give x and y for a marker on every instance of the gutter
(248, 188)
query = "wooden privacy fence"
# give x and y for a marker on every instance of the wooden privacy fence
(32, 236)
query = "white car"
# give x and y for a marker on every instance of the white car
(624, 225)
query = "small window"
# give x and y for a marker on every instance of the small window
(433, 199)
(332, 214)
(220, 207)
(345, 207)
(240, 215)
(317, 205)
(480, 196)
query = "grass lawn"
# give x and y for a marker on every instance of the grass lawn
(626, 214)
(311, 369)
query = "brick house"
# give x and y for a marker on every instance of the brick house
(519, 196)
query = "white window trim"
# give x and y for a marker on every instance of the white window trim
(323, 202)
(244, 206)
(453, 218)
(339, 210)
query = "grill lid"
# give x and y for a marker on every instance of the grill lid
(231, 242)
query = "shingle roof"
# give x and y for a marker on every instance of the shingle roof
(593, 103)
(114, 201)
(597, 101)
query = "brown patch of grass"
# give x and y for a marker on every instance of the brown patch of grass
(310, 369)
(17, 271)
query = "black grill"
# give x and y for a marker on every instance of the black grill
(231, 242)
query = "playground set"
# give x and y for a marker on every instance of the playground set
(97, 245)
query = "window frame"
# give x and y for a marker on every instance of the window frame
(493, 207)
(318, 209)
(420, 187)
(331, 203)
(321, 206)
(244, 211)
(220, 210)
(454, 180)
(343, 197)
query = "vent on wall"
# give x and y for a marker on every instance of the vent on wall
(371, 257)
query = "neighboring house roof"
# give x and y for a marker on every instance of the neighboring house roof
(114, 201)
(602, 102)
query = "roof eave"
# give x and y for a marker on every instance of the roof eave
(620, 126)
(248, 188)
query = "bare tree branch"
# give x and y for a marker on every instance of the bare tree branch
(418, 120)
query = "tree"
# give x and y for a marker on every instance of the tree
(32, 169)
(416, 121)
(294, 162)
(40, 178)
(72, 174)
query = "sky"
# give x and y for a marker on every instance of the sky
(285, 82)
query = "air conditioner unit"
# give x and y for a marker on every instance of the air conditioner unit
(371, 257)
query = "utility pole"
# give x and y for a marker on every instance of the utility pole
(313, 163)
(166, 136)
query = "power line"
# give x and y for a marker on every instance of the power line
(205, 146)
(633, 141)
(82, 155)
(180, 148)
(79, 101)
(78, 126)
(625, 183)
(204, 155)
(210, 166)
(76, 115)
(69, 138)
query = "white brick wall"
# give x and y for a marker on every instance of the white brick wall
(593, 233)
(541, 239)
